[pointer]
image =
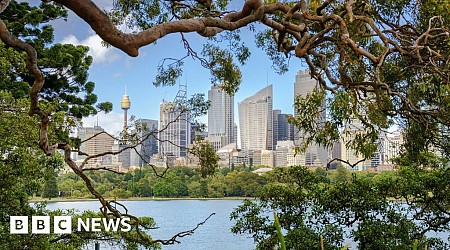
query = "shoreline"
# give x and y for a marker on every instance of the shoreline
(52, 200)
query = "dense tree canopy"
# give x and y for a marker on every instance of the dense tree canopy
(25, 171)
(380, 62)
(64, 66)
(383, 62)
(388, 210)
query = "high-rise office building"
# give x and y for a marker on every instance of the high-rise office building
(349, 133)
(147, 132)
(282, 130)
(220, 117)
(174, 126)
(198, 132)
(304, 84)
(175, 130)
(315, 154)
(275, 113)
(235, 137)
(392, 147)
(96, 142)
(256, 120)
(388, 147)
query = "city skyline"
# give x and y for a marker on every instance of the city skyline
(110, 122)
(225, 121)
(261, 127)
(265, 135)
(112, 70)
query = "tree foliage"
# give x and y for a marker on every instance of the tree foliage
(25, 171)
(176, 182)
(53, 165)
(387, 60)
(377, 63)
(65, 66)
(362, 210)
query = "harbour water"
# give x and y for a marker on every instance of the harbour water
(174, 216)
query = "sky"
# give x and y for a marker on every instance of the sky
(112, 71)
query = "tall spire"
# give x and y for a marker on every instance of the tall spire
(125, 105)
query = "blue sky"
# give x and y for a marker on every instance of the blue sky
(112, 70)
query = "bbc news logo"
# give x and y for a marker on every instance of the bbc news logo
(63, 224)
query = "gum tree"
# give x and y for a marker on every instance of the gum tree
(380, 62)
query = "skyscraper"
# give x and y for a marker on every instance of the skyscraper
(96, 142)
(349, 133)
(304, 84)
(275, 120)
(256, 120)
(174, 126)
(147, 133)
(315, 154)
(220, 117)
(175, 130)
(282, 130)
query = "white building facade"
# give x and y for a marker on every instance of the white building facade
(175, 130)
(256, 121)
(314, 155)
(221, 131)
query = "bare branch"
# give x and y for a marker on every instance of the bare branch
(174, 239)
(344, 161)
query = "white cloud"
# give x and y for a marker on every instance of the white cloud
(111, 122)
(99, 52)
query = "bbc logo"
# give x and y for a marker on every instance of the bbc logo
(63, 224)
(40, 224)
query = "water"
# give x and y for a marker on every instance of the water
(174, 216)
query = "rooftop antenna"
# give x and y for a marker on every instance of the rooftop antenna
(181, 96)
